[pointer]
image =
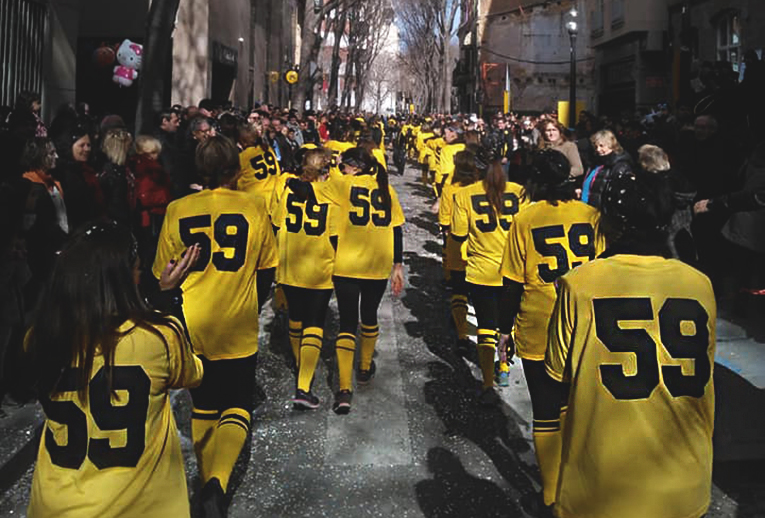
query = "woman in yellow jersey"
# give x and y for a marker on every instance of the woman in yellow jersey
(370, 243)
(222, 297)
(633, 333)
(551, 236)
(306, 259)
(483, 214)
(260, 169)
(465, 173)
(102, 364)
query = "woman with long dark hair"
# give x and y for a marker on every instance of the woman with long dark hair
(370, 243)
(554, 234)
(102, 364)
(483, 214)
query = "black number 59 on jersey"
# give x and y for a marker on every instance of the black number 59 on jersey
(130, 417)
(370, 205)
(230, 232)
(677, 340)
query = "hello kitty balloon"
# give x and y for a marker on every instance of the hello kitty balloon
(129, 56)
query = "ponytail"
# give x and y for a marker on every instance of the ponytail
(494, 185)
(382, 185)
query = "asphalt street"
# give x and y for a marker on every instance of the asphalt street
(415, 443)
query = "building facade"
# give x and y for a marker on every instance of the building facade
(632, 60)
(718, 30)
(532, 41)
(230, 50)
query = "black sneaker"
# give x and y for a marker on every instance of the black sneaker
(212, 497)
(465, 347)
(304, 400)
(342, 404)
(488, 398)
(363, 377)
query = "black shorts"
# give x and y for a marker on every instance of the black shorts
(226, 384)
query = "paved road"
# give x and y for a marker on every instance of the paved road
(414, 444)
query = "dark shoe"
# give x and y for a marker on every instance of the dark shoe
(212, 498)
(304, 401)
(488, 398)
(342, 404)
(363, 377)
(534, 505)
(465, 347)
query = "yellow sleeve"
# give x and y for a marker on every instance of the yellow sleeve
(269, 255)
(446, 206)
(277, 211)
(185, 367)
(514, 259)
(397, 214)
(559, 334)
(334, 220)
(166, 248)
(460, 216)
(334, 190)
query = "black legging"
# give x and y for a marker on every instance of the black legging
(348, 292)
(307, 306)
(458, 283)
(486, 301)
(547, 395)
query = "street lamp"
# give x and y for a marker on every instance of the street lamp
(573, 29)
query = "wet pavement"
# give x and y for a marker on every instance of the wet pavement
(415, 444)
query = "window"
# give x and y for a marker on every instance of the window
(729, 40)
(597, 18)
(617, 13)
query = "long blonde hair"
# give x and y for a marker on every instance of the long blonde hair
(116, 145)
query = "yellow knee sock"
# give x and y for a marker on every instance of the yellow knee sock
(233, 429)
(310, 348)
(369, 335)
(296, 332)
(487, 344)
(548, 448)
(459, 315)
(345, 348)
(203, 423)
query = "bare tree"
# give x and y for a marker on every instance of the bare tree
(427, 28)
(313, 29)
(381, 80)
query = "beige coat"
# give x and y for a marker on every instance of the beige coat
(571, 152)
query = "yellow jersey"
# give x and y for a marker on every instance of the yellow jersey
(220, 299)
(486, 234)
(306, 255)
(456, 253)
(118, 454)
(338, 148)
(365, 225)
(422, 149)
(379, 155)
(545, 242)
(446, 162)
(259, 171)
(635, 337)
(434, 159)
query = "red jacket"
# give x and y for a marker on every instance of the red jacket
(152, 187)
